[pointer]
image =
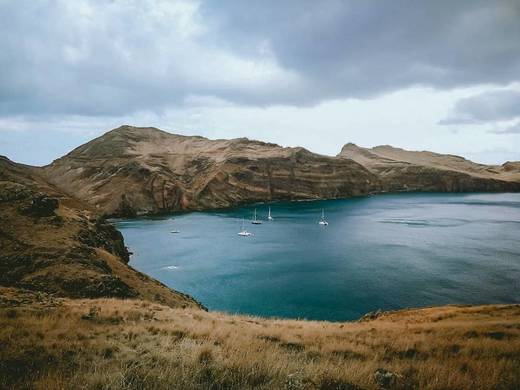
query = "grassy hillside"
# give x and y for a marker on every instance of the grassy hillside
(133, 344)
(51, 242)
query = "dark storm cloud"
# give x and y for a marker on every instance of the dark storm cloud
(358, 48)
(486, 107)
(114, 58)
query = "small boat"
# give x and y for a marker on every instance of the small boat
(243, 232)
(269, 217)
(323, 221)
(175, 231)
(256, 221)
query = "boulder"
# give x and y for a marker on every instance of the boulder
(386, 379)
(41, 206)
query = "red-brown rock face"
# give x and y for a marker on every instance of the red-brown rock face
(144, 170)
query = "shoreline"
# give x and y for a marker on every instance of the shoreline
(165, 217)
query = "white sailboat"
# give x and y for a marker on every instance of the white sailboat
(269, 216)
(243, 232)
(256, 221)
(323, 221)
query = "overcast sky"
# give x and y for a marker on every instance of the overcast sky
(423, 75)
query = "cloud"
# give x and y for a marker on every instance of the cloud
(364, 48)
(493, 106)
(112, 58)
(98, 58)
(513, 129)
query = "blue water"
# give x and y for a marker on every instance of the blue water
(386, 251)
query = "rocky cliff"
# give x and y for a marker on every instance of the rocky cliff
(403, 170)
(54, 243)
(133, 170)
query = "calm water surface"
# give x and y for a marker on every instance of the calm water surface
(386, 251)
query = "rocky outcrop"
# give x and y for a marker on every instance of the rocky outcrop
(130, 171)
(511, 166)
(40, 206)
(53, 243)
(402, 170)
(387, 380)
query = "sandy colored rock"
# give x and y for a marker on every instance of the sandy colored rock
(144, 170)
(404, 170)
(133, 170)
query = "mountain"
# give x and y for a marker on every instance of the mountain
(132, 170)
(144, 170)
(54, 243)
(403, 170)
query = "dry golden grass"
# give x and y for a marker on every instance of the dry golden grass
(133, 344)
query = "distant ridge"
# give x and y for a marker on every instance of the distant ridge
(144, 170)
(404, 170)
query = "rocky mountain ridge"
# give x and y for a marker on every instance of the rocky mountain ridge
(132, 170)
(144, 170)
(404, 170)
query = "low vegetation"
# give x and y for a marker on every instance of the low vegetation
(48, 343)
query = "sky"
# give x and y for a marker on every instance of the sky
(421, 75)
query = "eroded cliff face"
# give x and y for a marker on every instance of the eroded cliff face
(403, 170)
(52, 242)
(132, 170)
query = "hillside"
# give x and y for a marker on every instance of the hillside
(114, 344)
(403, 170)
(54, 243)
(133, 170)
